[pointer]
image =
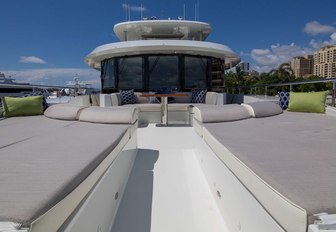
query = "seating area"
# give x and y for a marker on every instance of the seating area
(283, 160)
(150, 107)
(286, 161)
(49, 163)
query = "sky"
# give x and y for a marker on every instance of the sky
(46, 41)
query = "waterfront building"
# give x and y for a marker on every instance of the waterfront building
(325, 61)
(303, 66)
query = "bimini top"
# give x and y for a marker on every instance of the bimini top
(142, 47)
(162, 29)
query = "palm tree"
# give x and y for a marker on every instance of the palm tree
(284, 73)
(239, 76)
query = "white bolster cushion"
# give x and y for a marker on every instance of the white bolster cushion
(111, 115)
(65, 111)
(222, 113)
(263, 109)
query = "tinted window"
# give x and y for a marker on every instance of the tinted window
(163, 72)
(130, 73)
(195, 72)
(107, 74)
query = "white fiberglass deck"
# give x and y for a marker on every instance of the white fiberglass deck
(167, 190)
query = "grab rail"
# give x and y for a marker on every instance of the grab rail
(290, 84)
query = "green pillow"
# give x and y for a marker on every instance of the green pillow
(27, 106)
(313, 102)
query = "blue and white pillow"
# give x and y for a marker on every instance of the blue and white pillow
(198, 95)
(283, 100)
(127, 97)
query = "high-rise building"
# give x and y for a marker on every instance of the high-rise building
(244, 66)
(325, 61)
(303, 66)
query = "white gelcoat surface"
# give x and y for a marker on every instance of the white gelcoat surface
(167, 190)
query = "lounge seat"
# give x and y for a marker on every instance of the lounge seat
(287, 162)
(178, 110)
(43, 160)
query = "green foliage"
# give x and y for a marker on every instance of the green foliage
(283, 74)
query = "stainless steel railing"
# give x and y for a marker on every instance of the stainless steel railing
(34, 88)
(266, 87)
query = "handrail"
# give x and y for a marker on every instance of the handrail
(290, 84)
(16, 85)
(24, 88)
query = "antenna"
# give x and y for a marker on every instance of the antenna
(195, 12)
(126, 10)
(184, 11)
(198, 9)
(141, 11)
(129, 13)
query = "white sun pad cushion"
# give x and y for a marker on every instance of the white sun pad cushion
(287, 162)
(263, 109)
(65, 111)
(222, 113)
(39, 171)
(114, 115)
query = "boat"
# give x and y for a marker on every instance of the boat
(116, 161)
(8, 86)
(78, 87)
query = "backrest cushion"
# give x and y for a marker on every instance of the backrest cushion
(140, 99)
(184, 99)
(127, 97)
(26, 106)
(111, 115)
(211, 98)
(313, 102)
(95, 98)
(81, 100)
(198, 95)
(65, 111)
(283, 99)
(39, 93)
(263, 109)
(220, 113)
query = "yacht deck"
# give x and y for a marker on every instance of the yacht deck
(167, 189)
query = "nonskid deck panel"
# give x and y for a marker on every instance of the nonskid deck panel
(167, 190)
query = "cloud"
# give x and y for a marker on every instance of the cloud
(54, 76)
(31, 59)
(317, 44)
(315, 28)
(134, 8)
(270, 58)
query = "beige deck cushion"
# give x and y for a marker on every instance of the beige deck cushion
(287, 162)
(183, 99)
(95, 98)
(211, 98)
(116, 115)
(18, 129)
(140, 99)
(263, 109)
(222, 113)
(84, 100)
(38, 172)
(66, 111)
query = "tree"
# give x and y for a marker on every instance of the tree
(284, 73)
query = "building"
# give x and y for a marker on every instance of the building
(303, 66)
(244, 66)
(325, 61)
